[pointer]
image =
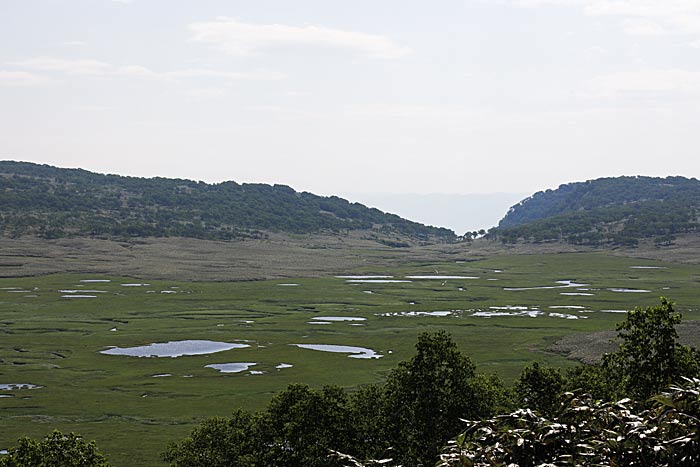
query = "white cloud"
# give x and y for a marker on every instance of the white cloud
(94, 68)
(73, 67)
(646, 81)
(226, 75)
(537, 3)
(19, 78)
(238, 38)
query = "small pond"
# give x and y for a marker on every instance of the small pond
(338, 318)
(623, 290)
(15, 386)
(174, 349)
(230, 367)
(563, 284)
(364, 277)
(376, 281)
(442, 277)
(355, 352)
(419, 313)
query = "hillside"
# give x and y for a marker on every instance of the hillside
(52, 202)
(617, 211)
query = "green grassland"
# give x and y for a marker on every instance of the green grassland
(54, 342)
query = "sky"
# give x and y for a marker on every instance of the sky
(362, 96)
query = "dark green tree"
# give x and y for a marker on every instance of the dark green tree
(218, 442)
(301, 426)
(55, 450)
(369, 438)
(426, 397)
(539, 388)
(650, 356)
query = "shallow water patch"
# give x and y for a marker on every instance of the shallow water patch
(420, 313)
(563, 285)
(282, 366)
(365, 277)
(376, 281)
(502, 311)
(17, 386)
(230, 367)
(95, 280)
(566, 316)
(72, 291)
(174, 349)
(623, 290)
(338, 318)
(355, 352)
(78, 296)
(442, 277)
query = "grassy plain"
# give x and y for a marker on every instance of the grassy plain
(54, 342)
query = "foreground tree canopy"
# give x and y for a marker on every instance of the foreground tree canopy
(588, 432)
(56, 450)
(600, 413)
(409, 418)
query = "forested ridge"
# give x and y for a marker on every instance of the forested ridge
(618, 211)
(52, 202)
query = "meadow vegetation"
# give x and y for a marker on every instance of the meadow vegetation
(133, 409)
(427, 400)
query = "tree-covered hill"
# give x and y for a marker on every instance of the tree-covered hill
(619, 210)
(53, 202)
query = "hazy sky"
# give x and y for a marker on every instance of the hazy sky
(403, 96)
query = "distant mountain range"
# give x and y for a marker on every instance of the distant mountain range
(615, 211)
(53, 202)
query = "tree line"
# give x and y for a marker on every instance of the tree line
(51, 202)
(638, 406)
(617, 211)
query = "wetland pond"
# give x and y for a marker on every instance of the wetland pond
(174, 349)
(15, 386)
(230, 367)
(355, 352)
